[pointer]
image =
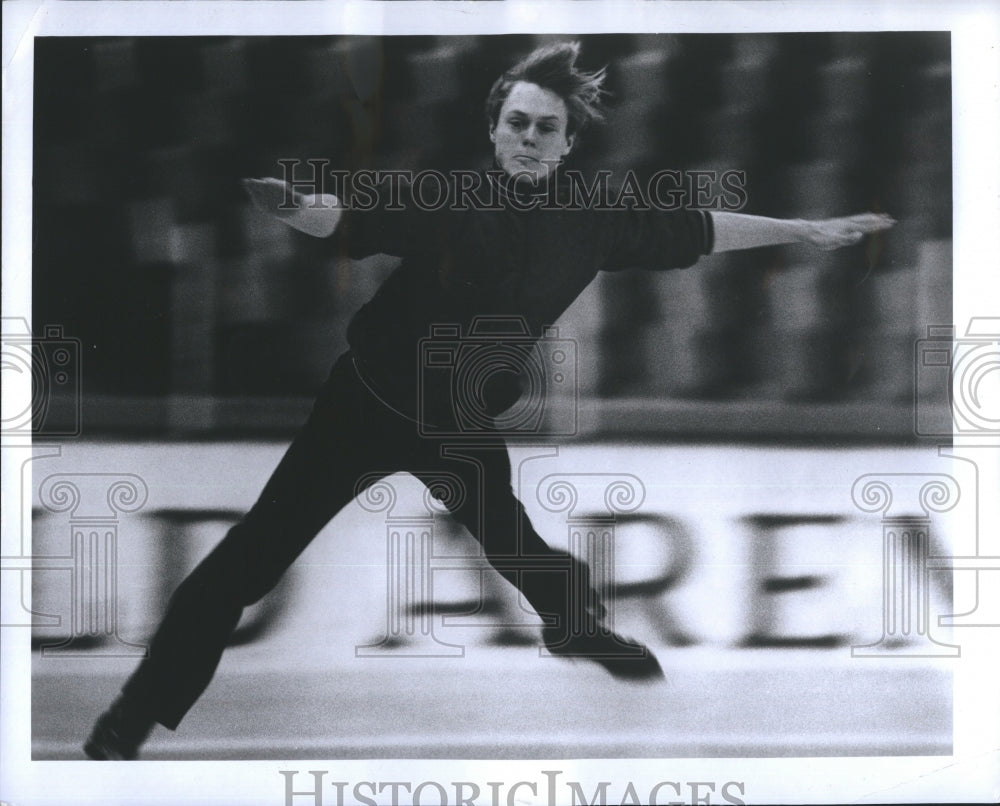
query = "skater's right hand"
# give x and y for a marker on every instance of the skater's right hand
(270, 195)
(316, 215)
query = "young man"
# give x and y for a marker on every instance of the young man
(518, 249)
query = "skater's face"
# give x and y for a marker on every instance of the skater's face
(530, 136)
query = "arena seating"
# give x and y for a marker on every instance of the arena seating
(140, 144)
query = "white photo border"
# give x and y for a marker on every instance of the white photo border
(971, 774)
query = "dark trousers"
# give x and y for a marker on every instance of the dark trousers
(350, 440)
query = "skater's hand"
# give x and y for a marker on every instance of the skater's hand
(270, 195)
(833, 233)
(316, 214)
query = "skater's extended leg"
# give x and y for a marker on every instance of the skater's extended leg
(316, 477)
(556, 584)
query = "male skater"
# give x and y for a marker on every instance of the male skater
(518, 252)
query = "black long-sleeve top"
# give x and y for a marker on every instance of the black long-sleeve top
(513, 259)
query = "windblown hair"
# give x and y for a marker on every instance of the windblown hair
(553, 67)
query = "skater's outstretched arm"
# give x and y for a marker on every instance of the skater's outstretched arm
(739, 231)
(313, 214)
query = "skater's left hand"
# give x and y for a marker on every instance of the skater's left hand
(833, 233)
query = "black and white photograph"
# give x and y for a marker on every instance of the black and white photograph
(482, 403)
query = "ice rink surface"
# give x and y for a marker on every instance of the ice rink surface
(510, 703)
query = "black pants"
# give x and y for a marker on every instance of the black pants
(350, 439)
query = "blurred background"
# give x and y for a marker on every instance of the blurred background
(199, 316)
(746, 396)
